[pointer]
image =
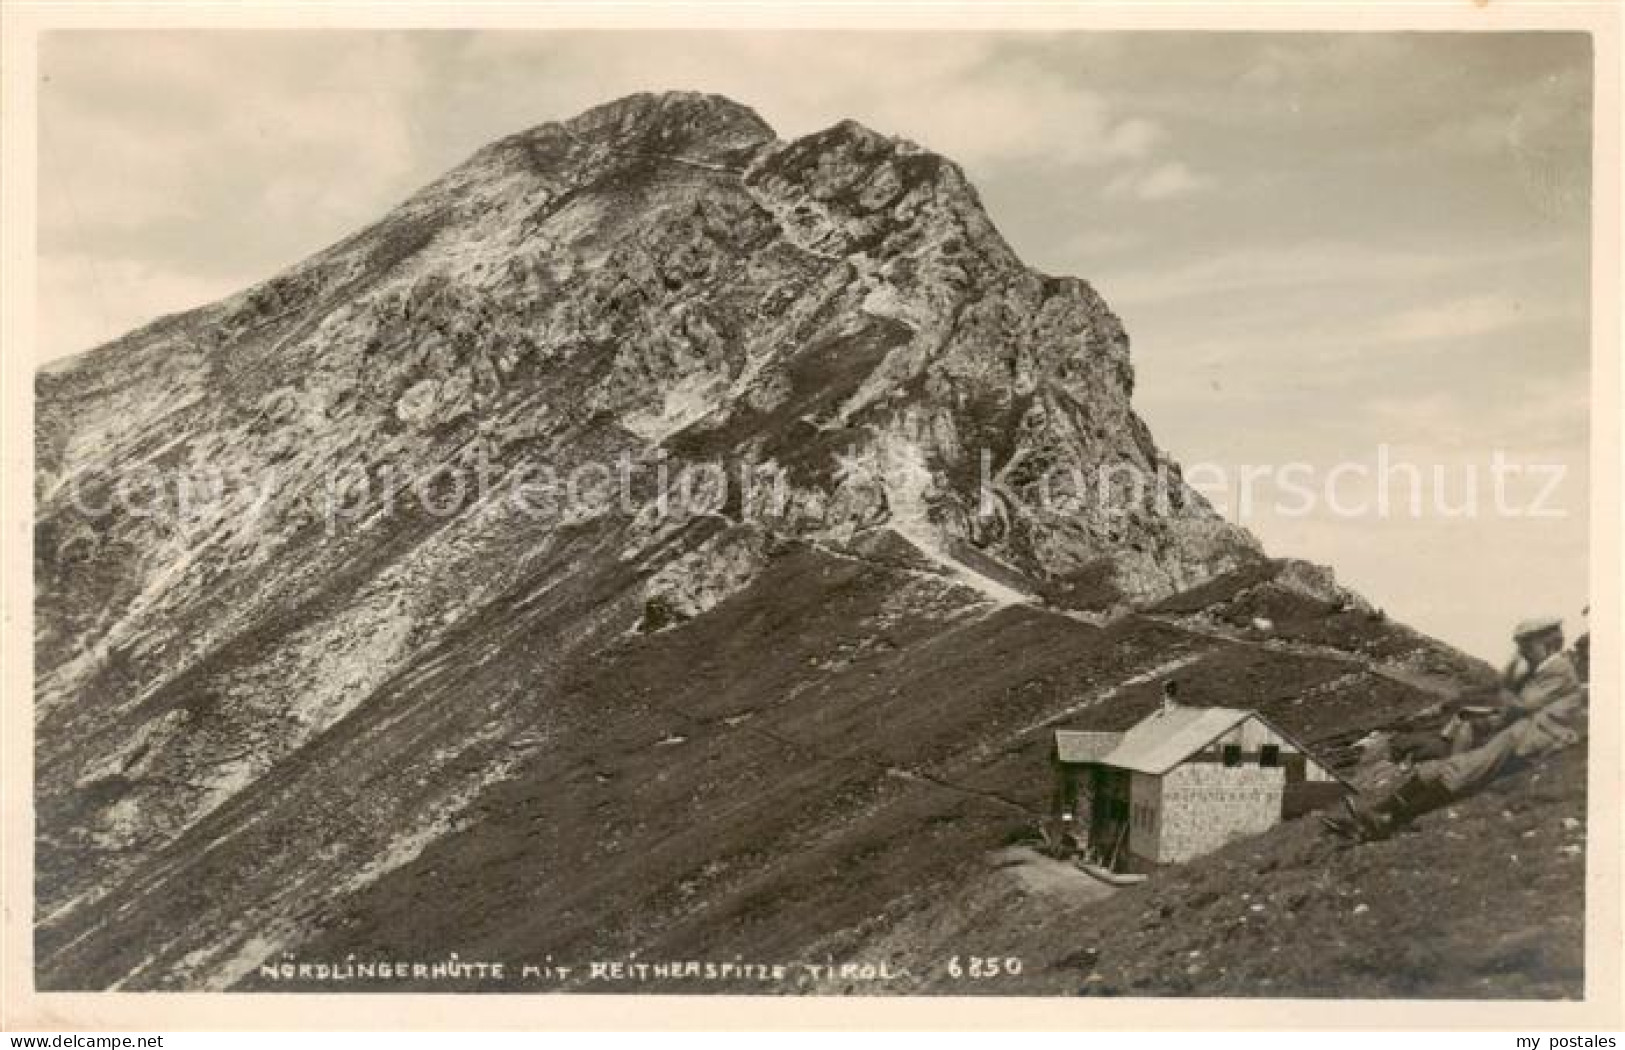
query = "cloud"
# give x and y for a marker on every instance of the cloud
(1134, 138)
(1169, 180)
(217, 153)
(85, 301)
(1264, 266)
(1546, 417)
(177, 166)
(1163, 182)
(966, 96)
(172, 112)
(1461, 318)
(1093, 243)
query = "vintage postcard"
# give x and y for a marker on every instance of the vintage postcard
(1078, 517)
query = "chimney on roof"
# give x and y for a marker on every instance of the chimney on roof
(1170, 695)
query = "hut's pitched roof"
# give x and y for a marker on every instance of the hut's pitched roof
(1164, 739)
(1168, 736)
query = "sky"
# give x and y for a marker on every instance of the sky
(1326, 248)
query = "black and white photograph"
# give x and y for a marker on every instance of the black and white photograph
(833, 512)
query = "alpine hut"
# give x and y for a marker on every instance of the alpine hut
(1183, 782)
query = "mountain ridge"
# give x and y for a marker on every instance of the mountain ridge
(356, 695)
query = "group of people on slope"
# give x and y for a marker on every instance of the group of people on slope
(1540, 709)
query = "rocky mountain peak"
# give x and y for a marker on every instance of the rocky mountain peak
(666, 496)
(674, 121)
(838, 311)
(829, 331)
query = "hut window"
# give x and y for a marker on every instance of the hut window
(1232, 754)
(1270, 756)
